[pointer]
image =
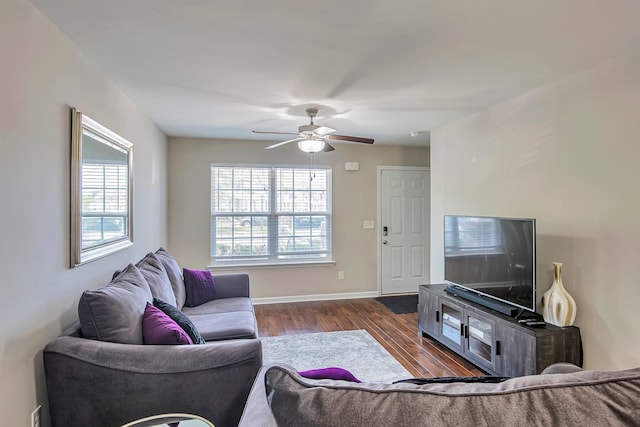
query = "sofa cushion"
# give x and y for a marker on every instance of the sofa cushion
(224, 305)
(537, 400)
(160, 329)
(175, 275)
(154, 272)
(200, 287)
(114, 312)
(224, 326)
(181, 319)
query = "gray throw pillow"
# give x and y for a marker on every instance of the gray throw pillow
(175, 276)
(153, 271)
(114, 312)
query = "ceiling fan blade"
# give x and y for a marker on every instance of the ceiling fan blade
(327, 147)
(323, 130)
(282, 143)
(275, 133)
(350, 138)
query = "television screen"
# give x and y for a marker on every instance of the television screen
(495, 257)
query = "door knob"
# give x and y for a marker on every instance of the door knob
(384, 242)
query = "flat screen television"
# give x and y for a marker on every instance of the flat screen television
(494, 258)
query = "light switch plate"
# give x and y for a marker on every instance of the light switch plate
(368, 223)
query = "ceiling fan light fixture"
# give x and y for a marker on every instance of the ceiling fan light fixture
(314, 138)
(311, 145)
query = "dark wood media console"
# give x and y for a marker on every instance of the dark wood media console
(496, 343)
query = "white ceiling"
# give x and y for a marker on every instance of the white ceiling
(374, 68)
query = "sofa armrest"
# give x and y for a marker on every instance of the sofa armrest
(89, 380)
(257, 412)
(232, 285)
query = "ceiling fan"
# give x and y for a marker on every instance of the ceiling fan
(313, 138)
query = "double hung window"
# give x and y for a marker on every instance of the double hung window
(105, 200)
(270, 214)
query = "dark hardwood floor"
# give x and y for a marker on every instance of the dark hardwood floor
(398, 333)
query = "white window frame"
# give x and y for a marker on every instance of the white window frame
(275, 256)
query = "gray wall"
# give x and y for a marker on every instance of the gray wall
(354, 200)
(566, 154)
(42, 74)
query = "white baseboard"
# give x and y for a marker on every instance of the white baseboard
(317, 297)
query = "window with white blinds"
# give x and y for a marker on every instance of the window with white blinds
(467, 234)
(104, 203)
(279, 214)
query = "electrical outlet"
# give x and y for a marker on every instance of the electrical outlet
(35, 417)
(340, 275)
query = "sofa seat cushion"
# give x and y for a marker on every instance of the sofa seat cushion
(538, 400)
(225, 326)
(114, 312)
(225, 305)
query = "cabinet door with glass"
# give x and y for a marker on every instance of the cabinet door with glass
(480, 343)
(451, 327)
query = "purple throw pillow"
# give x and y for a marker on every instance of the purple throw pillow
(200, 287)
(329, 374)
(160, 329)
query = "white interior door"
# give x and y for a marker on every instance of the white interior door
(404, 229)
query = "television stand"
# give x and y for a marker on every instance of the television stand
(496, 343)
(499, 306)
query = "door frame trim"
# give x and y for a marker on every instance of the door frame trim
(379, 170)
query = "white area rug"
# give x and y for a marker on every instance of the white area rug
(356, 351)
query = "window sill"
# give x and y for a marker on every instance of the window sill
(101, 251)
(235, 266)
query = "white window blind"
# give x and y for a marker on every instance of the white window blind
(469, 234)
(270, 214)
(104, 203)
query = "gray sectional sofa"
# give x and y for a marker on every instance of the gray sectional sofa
(563, 395)
(102, 373)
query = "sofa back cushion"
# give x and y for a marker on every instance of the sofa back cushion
(175, 276)
(154, 272)
(114, 312)
(611, 399)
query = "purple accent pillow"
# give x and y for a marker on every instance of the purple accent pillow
(160, 329)
(329, 374)
(200, 287)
